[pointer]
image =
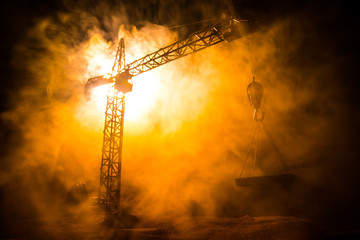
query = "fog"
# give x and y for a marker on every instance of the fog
(188, 123)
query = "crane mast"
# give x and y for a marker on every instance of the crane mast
(110, 170)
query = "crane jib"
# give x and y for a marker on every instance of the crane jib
(226, 30)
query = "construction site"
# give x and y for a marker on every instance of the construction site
(179, 120)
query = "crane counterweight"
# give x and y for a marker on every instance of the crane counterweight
(95, 82)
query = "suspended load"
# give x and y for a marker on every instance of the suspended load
(255, 92)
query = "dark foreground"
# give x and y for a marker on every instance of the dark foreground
(270, 227)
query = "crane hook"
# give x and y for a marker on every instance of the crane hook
(255, 92)
(256, 115)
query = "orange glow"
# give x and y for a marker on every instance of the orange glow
(188, 123)
(98, 97)
(139, 102)
(142, 99)
(99, 56)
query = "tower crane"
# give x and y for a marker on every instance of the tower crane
(226, 30)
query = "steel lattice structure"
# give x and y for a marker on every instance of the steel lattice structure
(226, 30)
(110, 170)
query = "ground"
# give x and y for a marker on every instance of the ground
(195, 228)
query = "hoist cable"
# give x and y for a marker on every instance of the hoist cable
(250, 60)
(275, 147)
(188, 24)
(247, 154)
(256, 149)
(263, 126)
(204, 21)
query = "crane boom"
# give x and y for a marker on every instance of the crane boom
(226, 30)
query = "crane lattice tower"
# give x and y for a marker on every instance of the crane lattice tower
(111, 159)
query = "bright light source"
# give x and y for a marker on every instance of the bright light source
(142, 99)
(99, 97)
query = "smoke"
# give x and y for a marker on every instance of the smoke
(188, 123)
